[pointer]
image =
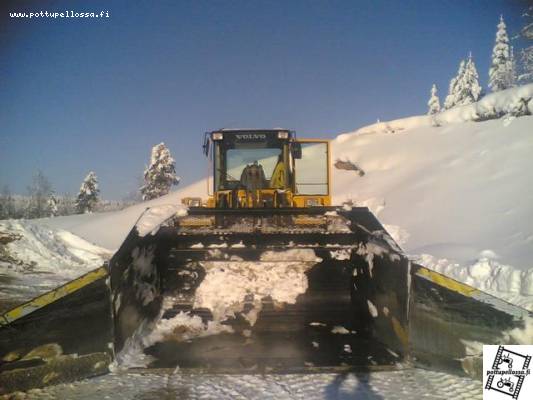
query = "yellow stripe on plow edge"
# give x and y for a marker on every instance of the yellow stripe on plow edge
(447, 282)
(53, 295)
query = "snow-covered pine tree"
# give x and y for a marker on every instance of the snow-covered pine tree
(526, 54)
(88, 196)
(451, 99)
(501, 70)
(52, 205)
(434, 102)
(160, 175)
(467, 88)
(512, 72)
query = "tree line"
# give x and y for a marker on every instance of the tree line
(42, 201)
(505, 71)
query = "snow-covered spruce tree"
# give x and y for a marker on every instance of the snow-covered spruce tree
(526, 54)
(434, 102)
(453, 89)
(470, 90)
(512, 72)
(88, 196)
(160, 175)
(52, 205)
(501, 74)
(465, 87)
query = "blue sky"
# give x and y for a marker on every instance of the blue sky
(84, 94)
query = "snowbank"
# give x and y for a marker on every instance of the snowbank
(448, 193)
(489, 275)
(109, 229)
(396, 126)
(35, 258)
(513, 102)
(451, 192)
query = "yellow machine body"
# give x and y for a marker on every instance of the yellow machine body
(283, 185)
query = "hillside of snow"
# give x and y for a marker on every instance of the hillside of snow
(35, 259)
(458, 198)
(453, 189)
(455, 193)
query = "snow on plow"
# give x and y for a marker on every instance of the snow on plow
(309, 290)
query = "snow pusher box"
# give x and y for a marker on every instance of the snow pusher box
(263, 276)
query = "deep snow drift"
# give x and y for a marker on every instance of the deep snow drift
(35, 259)
(111, 228)
(456, 190)
(456, 197)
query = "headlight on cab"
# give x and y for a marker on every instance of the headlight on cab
(313, 202)
(192, 201)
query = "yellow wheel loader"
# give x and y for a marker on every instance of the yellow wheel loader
(263, 275)
(268, 217)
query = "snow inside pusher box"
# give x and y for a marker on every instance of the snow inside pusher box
(263, 299)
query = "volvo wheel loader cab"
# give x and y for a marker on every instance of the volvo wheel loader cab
(264, 274)
(266, 168)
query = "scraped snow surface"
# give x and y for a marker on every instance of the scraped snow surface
(172, 385)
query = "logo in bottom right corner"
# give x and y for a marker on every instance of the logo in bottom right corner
(506, 372)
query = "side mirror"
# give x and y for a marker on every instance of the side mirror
(205, 146)
(296, 150)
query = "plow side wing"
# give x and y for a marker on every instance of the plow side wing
(63, 335)
(449, 322)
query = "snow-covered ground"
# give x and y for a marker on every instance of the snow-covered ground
(35, 259)
(109, 229)
(402, 384)
(457, 197)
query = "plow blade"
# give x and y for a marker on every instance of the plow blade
(263, 290)
(255, 291)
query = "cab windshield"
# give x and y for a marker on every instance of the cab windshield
(238, 159)
(250, 166)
